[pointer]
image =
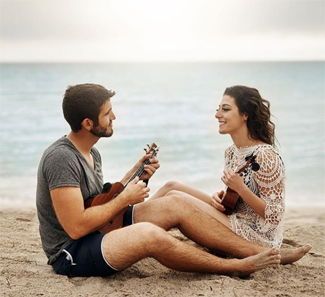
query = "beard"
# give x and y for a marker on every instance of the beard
(100, 131)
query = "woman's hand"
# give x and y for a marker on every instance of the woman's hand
(216, 201)
(233, 180)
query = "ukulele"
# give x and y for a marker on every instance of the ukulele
(111, 191)
(231, 197)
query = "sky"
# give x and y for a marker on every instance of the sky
(165, 30)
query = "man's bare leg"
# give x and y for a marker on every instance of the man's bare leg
(126, 246)
(198, 198)
(203, 206)
(176, 211)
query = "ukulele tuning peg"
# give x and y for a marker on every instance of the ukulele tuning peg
(255, 166)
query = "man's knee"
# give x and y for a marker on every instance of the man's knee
(152, 235)
(139, 235)
(177, 202)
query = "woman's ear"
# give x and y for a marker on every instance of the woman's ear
(245, 117)
(87, 124)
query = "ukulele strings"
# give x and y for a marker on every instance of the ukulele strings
(139, 172)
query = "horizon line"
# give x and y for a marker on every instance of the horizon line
(159, 61)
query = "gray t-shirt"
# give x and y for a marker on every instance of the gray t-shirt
(62, 165)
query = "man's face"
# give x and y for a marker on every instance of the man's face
(105, 121)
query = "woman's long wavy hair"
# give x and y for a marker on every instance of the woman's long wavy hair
(257, 109)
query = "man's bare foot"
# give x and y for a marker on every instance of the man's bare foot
(269, 258)
(291, 255)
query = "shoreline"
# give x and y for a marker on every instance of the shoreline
(24, 271)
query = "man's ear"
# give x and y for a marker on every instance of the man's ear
(87, 124)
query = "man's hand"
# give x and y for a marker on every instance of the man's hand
(135, 192)
(216, 201)
(151, 168)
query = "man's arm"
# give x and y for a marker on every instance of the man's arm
(78, 221)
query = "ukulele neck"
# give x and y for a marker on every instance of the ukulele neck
(138, 173)
(248, 162)
(152, 151)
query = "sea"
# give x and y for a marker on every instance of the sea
(172, 105)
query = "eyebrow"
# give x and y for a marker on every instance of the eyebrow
(225, 105)
(108, 111)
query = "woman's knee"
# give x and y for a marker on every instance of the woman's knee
(172, 185)
(174, 193)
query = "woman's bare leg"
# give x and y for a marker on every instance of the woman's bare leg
(174, 185)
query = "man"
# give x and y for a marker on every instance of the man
(70, 172)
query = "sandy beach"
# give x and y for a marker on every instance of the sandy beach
(24, 271)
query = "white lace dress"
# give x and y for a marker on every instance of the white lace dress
(268, 183)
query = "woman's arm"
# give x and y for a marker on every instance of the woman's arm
(236, 182)
(270, 182)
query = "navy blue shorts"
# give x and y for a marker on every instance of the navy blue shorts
(84, 256)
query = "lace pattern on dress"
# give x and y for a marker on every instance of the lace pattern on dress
(268, 183)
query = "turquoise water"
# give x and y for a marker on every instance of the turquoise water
(172, 105)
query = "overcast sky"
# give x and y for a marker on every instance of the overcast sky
(165, 30)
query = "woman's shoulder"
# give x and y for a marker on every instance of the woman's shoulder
(266, 154)
(266, 149)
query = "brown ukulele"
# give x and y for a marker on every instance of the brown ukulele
(110, 191)
(231, 197)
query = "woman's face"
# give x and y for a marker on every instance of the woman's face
(230, 121)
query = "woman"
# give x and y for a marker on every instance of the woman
(259, 213)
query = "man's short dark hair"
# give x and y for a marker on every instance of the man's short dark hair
(84, 101)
